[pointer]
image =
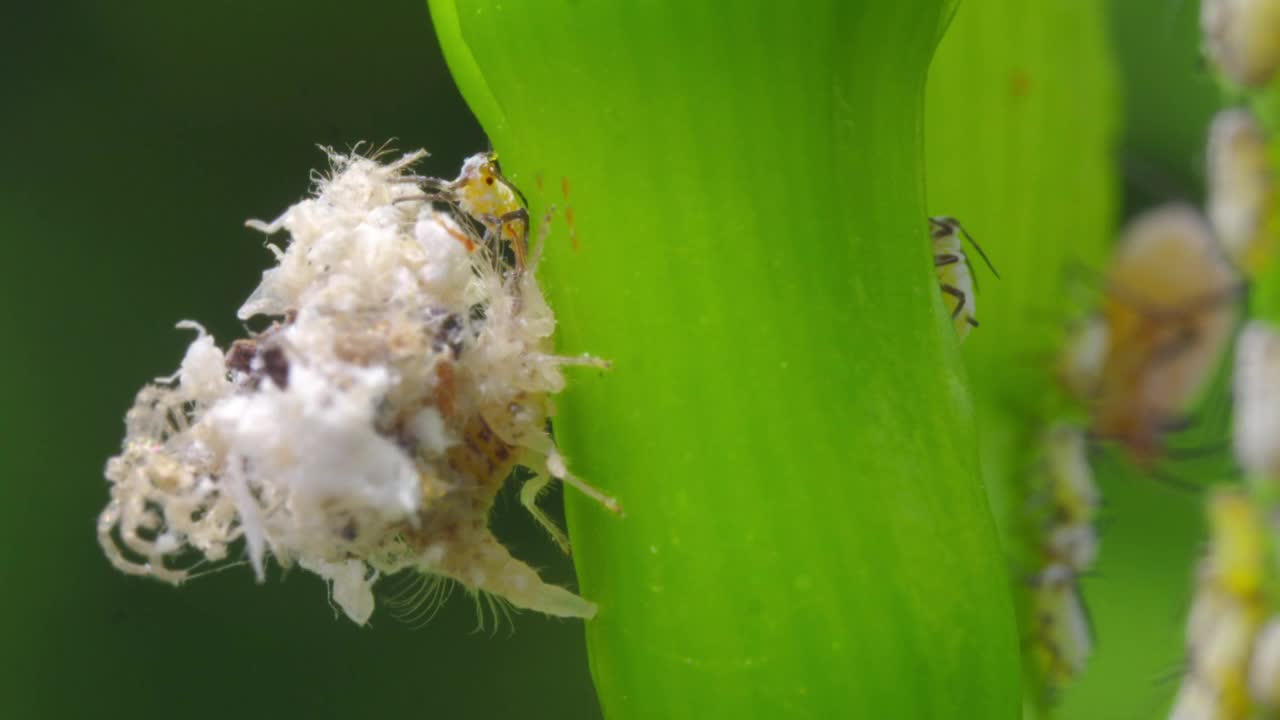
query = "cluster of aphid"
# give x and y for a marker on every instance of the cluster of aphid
(1169, 305)
(406, 371)
(1171, 299)
(1233, 632)
(1226, 616)
(1065, 507)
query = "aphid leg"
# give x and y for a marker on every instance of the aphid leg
(940, 227)
(520, 242)
(959, 296)
(555, 467)
(543, 231)
(533, 487)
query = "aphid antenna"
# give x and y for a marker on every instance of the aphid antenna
(977, 247)
(1174, 482)
(431, 197)
(1180, 668)
(502, 178)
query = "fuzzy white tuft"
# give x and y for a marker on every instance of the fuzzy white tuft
(368, 429)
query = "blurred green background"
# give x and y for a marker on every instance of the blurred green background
(139, 136)
(1152, 533)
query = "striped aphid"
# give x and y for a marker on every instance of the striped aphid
(955, 274)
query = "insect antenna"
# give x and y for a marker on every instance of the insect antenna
(978, 247)
(1174, 482)
(497, 173)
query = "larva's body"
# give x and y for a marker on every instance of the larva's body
(369, 429)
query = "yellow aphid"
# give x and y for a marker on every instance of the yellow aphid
(483, 194)
(1241, 188)
(1075, 495)
(1171, 304)
(1226, 615)
(1084, 355)
(1264, 666)
(1242, 37)
(1072, 539)
(1059, 637)
(1062, 635)
(955, 276)
(1236, 562)
(1257, 401)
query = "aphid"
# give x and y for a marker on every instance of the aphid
(1084, 354)
(1242, 38)
(1264, 666)
(1170, 306)
(1072, 539)
(482, 193)
(1060, 637)
(1062, 633)
(1257, 401)
(1226, 614)
(955, 276)
(1241, 188)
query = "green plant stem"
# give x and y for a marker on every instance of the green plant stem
(1020, 148)
(786, 423)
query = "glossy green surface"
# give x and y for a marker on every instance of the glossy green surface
(786, 423)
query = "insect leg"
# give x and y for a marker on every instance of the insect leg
(529, 493)
(958, 295)
(521, 242)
